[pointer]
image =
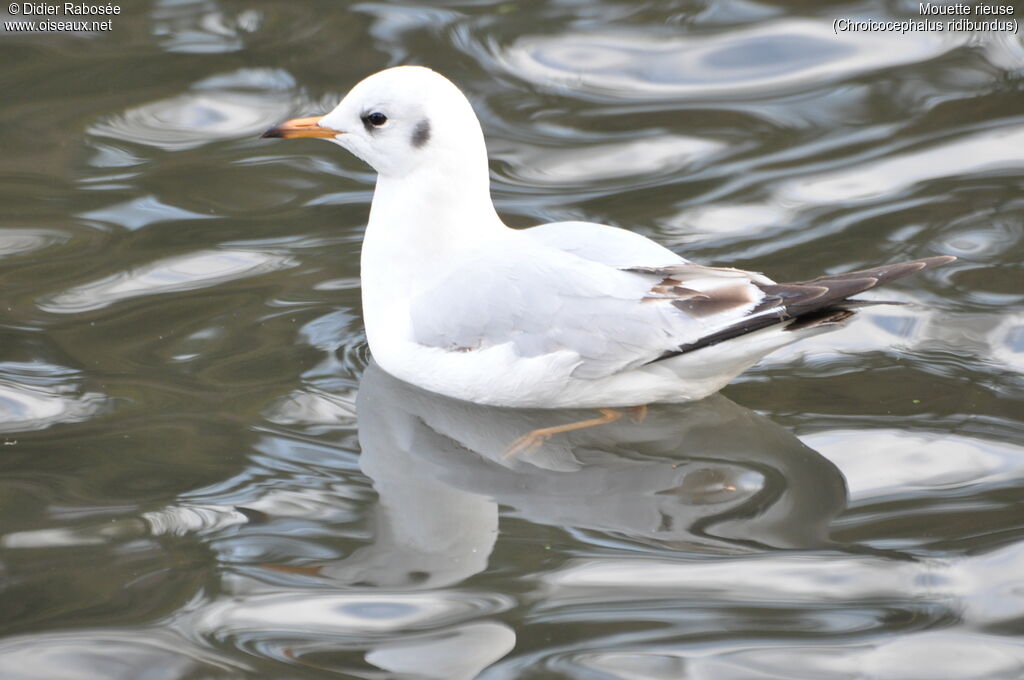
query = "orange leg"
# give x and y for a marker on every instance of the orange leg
(534, 440)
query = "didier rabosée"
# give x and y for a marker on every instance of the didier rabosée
(72, 8)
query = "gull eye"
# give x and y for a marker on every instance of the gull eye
(376, 118)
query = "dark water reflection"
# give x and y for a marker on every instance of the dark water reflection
(204, 476)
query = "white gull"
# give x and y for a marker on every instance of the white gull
(567, 314)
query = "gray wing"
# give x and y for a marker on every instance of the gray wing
(542, 300)
(602, 243)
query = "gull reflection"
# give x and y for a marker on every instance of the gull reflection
(710, 477)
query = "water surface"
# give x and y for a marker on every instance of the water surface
(205, 475)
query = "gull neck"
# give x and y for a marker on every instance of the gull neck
(434, 210)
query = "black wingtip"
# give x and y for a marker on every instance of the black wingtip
(823, 301)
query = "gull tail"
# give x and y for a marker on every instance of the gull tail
(808, 304)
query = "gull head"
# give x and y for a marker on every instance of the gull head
(401, 120)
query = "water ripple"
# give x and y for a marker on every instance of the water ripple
(758, 579)
(883, 462)
(998, 149)
(940, 654)
(1007, 341)
(35, 397)
(983, 590)
(784, 54)
(174, 274)
(313, 406)
(356, 616)
(599, 162)
(180, 520)
(864, 181)
(201, 28)
(227, 106)
(457, 653)
(110, 654)
(141, 212)
(19, 241)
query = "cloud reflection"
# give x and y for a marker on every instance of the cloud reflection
(197, 270)
(242, 103)
(791, 53)
(25, 407)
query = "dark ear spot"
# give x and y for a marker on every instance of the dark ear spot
(421, 135)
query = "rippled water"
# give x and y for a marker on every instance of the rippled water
(204, 476)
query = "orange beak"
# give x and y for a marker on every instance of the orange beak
(301, 127)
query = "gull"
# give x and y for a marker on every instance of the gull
(560, 315)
